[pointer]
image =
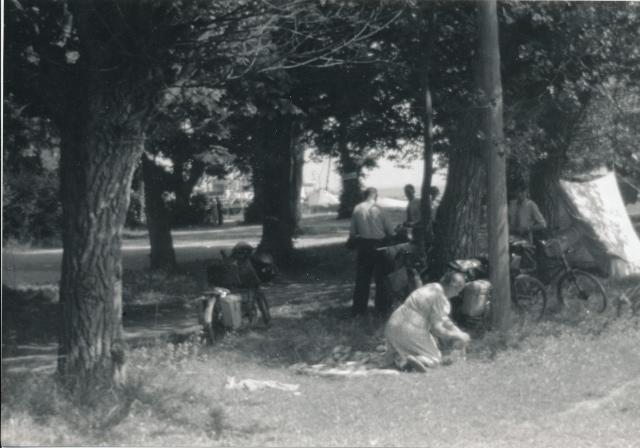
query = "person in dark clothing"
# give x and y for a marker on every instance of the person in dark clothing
(369, 228)
(220, 211)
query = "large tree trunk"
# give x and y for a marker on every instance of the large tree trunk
(98, 157)
(545, 187)
(297, 170)
(350, 171)
(162, 254)
(254, 213)
(111, 90)
(186, 174)
(458, 217)
(279, 226)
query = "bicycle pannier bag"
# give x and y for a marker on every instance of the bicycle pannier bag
(475, 297)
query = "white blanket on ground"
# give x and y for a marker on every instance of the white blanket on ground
(252, 385)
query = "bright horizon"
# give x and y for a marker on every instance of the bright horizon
(386, 175)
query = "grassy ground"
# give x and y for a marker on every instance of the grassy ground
(558, 383)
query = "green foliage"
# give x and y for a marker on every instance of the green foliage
(193, 213)
(31, 208)
(30, 204)
(560, 63)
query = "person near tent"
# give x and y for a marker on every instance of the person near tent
(414, 220)
(423, 316)
(220, 211)
(524, 216)
(369, 229)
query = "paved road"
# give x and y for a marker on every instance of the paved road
(42, 266)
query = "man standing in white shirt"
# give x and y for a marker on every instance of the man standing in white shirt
(369, 228)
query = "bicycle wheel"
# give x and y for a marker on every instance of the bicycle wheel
(263, 305)
(579, 291)
(530, 296)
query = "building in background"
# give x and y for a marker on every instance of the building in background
(235, 191)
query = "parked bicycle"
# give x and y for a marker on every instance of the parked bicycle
(629, 297)
(235, 295)
(576, 290)
(528, 293)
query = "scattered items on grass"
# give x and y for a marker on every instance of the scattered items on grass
(345, 362)
(252, 385)
(349, 369)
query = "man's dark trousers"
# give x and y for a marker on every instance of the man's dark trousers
(367, 266)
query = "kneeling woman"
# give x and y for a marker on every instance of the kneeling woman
(424, 314)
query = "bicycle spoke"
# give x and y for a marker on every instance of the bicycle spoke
(581, 294)
(529, 297)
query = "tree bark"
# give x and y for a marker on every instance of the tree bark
(297, 169)
(546, 173)
(254, 213)
(545, 188)
(162, 254)
(279, 226)
(98, 157)
(183, 184)
(350, 171)
(498, 224)
(458, 216)
(108, 95)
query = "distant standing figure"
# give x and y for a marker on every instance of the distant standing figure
(424, 314)
(414, 220)
(212, 213)
(220, 211)
(524, 216)
(369, 228)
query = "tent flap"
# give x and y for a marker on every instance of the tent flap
(597, 208)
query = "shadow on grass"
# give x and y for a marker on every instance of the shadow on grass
(29, 316)
(310, 306)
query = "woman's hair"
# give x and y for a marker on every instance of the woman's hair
(452, 280)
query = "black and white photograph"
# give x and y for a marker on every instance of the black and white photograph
(321, 223)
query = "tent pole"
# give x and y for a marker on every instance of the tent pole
(626, 181)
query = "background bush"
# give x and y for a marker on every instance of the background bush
(31, 207)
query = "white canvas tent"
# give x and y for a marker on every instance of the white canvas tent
(322, 198)
(595, 208)
(391, 204)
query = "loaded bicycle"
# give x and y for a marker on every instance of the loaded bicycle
(528, 293)
(577, 291)
(235, 297)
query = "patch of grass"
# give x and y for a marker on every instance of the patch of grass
(157, 287)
